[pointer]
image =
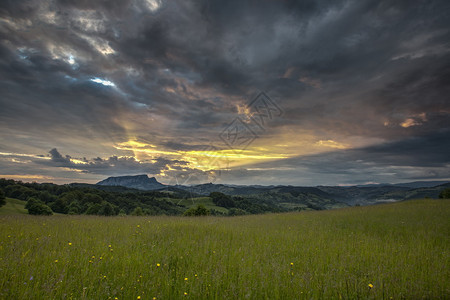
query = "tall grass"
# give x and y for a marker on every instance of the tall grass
(401, 249)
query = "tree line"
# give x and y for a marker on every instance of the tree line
(48, 198)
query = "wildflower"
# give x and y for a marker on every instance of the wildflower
(93, 256)
(104, 277)
(109, 246)
(56, 260)
(70, 244)
(90, 261)
(158, 265)
(195, 275)
(138, 226)
(185, 278)
(185, 293)
(292, 264)
(138, 297)
(370, 285)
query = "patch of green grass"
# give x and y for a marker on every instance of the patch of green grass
(402, 249)
(13, 207)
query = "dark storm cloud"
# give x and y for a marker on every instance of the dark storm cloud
(172, 73)
(108, 166)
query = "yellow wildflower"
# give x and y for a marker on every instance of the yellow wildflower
(158, 265)
(185, 278)
(70, 244)
(56, 260)
(370, 285)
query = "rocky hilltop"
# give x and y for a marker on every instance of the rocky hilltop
(141, 182)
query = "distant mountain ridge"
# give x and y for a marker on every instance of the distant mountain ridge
(293, 196)
(414, 184)
(140, 182)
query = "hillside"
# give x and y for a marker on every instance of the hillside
(13, 207)
(294, 197)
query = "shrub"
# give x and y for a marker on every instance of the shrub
(138, 211)
(445, 194)
(2, 198)
(37, 207)
(200, 210)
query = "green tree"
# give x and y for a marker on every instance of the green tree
(198, 211)
(93, 208)
(222, 200)
(37, 207)
(106, 209)
(445, 194)
(137, 211)
(93, 198)
(2, 198)
(60, 205)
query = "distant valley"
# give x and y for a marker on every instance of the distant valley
(295, 197)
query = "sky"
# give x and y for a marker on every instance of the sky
(268, 92)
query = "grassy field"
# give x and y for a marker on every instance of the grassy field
(396, 250)
(13, 207)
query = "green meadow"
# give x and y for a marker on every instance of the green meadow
(398, 251)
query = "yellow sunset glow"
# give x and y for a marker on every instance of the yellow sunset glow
(202, 159)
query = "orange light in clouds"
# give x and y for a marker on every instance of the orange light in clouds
(332, 144)
(201, 159)
(28, 176)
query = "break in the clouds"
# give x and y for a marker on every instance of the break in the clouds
(150, 86)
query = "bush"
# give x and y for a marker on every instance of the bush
(2, 198)
(37, 207)
(137, 212)
(200, 210)
(445, 194)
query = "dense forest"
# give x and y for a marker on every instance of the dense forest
(74, 199)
